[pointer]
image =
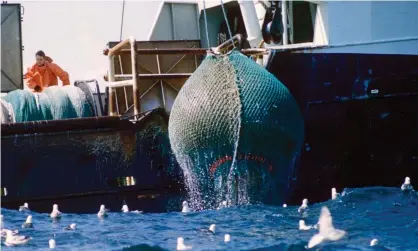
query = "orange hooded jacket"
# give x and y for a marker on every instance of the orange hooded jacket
(45, 75)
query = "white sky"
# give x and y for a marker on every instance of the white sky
(74, 33)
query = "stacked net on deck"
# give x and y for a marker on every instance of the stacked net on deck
(53, 103)
(24, 105)
(235, 128)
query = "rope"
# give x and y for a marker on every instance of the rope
(227, 23)
(206, 23)
(121, 24)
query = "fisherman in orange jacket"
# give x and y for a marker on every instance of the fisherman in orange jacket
(44, 73)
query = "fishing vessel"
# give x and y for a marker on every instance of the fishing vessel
(352, 67)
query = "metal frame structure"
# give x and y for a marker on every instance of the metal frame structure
(127, 80)
(111, 75)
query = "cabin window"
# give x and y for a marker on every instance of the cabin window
(301, 21)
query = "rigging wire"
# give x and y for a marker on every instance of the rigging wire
(206, 22)
(227, 23)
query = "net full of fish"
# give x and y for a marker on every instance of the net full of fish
(235, 130)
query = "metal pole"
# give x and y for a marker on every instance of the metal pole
(161, 82)
(111, 77)
(136, 97)
(284, 21)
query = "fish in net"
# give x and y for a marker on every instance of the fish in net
(235, 130)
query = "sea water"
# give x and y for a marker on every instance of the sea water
(387, 214)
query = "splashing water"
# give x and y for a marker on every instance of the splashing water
(386, 214)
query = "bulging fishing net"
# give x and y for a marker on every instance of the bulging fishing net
(53, 103)
(235, 131)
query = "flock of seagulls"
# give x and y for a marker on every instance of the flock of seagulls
(11, 238)
(327, 231)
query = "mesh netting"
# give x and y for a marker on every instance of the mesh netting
(235, 128)
(44, 105)
(24, 105)
(53, 103)
(79, 101)
(61, 105)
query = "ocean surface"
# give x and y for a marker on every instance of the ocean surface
(387, 214)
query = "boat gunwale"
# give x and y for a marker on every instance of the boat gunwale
(79, 124)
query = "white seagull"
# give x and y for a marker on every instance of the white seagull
(55, 212)
(304, 206)
(15, 240)
(102, 212)
(327, 232)
(52, 243)
(4, 232)
(72, 226)
(212, 228)
(125, 208)
(24, 208)
(303, 226)
(28, 222)
(180, 244)
(406, 186)
(185, 208)
(374, 242)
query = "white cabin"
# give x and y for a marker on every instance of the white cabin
(376, 27)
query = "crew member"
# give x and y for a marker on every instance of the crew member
(45, 73)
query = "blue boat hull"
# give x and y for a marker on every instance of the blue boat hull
(82, 169)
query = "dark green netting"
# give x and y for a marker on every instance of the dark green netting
(44, 105)
(61, 105)
(79, 100)
(233, 113)
(53, 103)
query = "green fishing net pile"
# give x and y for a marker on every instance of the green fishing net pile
(232, 106)
(53, 103)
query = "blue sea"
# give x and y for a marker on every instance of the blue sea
(387, 214)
